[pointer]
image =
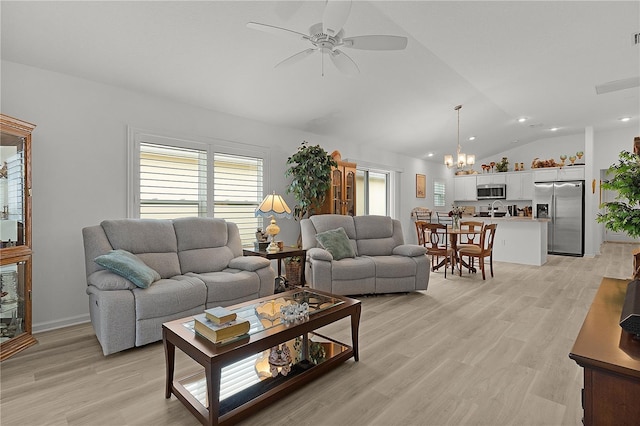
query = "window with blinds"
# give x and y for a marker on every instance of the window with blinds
(173, 182)
(439, 195)
(237, 192)
(181, 181)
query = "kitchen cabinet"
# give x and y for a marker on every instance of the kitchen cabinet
(492, 178)
(464, 188)
(558, 174)
(15, 236)
(341, 197)
(520, 186)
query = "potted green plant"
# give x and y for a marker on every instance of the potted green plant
(623, 214)
(310, 170)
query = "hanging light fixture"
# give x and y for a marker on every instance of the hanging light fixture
(462, 159)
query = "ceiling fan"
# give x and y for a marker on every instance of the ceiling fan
(327, 37)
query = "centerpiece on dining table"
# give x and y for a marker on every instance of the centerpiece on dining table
(456, 214)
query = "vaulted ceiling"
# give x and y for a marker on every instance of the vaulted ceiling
(500, 60)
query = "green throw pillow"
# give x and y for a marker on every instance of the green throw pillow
(336, 242)
(129, 266)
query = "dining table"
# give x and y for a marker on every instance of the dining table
(453, 241)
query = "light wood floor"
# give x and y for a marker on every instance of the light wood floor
(465, 352)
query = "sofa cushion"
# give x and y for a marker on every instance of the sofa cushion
(353, 268)
(205, 260)
(169, 296)
(375, 235)
(230, 284)
(200, 232)
(336, 242)
(128, 266)
(206, 244)
(326, 222)
(394, 266)
(152, 240)
(107, 280)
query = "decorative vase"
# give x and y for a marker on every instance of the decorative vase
(456, 221)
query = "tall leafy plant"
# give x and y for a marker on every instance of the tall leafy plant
(310, 170)
(623, 215)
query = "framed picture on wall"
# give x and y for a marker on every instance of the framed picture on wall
(421, 186)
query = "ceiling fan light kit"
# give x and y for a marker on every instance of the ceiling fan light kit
(327, 37)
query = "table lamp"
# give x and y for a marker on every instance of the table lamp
(273, 206)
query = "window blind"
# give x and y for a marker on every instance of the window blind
(439, 195)
(173, 182)
(237, 191)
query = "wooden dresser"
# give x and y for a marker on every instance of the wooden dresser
(611, 361)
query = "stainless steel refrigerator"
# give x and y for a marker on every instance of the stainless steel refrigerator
(563, 203)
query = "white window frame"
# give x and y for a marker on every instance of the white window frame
(442, 183)
(210, 146)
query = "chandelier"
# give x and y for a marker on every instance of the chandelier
(463, 159)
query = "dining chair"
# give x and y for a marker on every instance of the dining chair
(420, 230)
(484, 250)
(444, 218)
(472, 238)
(437, 244)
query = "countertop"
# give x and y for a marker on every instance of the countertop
(507, 219)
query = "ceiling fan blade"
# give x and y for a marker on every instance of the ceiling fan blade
(335, 15)
(294, 59)
(343, 62)
(376, 42)
(276, 30)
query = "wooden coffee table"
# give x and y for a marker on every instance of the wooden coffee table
(229, 386)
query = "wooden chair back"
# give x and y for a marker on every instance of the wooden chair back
(420, 230)
(436, 237)
(444, 218)
(487, 237)
(472, 237)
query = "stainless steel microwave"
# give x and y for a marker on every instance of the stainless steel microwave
(491, 192)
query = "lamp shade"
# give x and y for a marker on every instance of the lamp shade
(273, 205)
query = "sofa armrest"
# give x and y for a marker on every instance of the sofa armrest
(317, 253)
(249, 263)
(410, 250)
(107, 280)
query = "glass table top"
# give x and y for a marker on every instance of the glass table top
(267, 314)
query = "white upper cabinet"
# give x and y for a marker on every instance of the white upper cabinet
(520, 186)
(492, 178)
(464, 188)
(565, 173)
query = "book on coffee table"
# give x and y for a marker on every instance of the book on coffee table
(220, 315)
(220, 332)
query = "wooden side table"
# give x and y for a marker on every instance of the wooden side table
(279, 255)
(611, 360)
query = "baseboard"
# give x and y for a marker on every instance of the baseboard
(66, 322)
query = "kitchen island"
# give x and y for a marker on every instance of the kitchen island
(518, 239)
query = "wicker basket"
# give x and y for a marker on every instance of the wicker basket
(293, 271)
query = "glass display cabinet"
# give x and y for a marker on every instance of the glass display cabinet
(15, 236)
(341, 197)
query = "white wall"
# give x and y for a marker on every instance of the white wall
(80, 169)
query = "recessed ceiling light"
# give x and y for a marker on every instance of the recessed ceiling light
(522, 119)
(430, 154)
(624, 119)
(472, 138)
(554, 129)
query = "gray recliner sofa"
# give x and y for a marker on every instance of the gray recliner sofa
(382, 262)
(200, 264)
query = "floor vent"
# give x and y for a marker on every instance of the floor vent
(636, 39)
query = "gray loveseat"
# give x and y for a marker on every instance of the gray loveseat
(200, 265)
(382, 262)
